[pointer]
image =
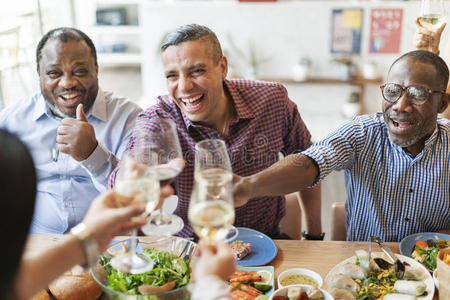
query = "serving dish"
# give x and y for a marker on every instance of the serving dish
(428, 280)
(264, 249)
(283, 291)
(266, 268)
(300, 271)
(175, 245)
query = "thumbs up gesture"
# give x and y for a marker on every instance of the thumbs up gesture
(76, 137)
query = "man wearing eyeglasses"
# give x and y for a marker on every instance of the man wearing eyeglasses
(396, 163)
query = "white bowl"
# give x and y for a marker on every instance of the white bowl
(435, 279)
(283, 291)
(300, 271)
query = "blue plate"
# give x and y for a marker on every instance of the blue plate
(264, 249)
(268, 268)
(407, 244)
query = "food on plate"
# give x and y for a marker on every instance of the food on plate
(42, 295)
(380, 280)
(169, 272)
(396, 296)
(410, 287)
(343, 282)
(299, 293)
(240, 249)
(414, 274)
(76, 284)
(446, 258)
(342, 294)
(249, 284)
(353, 271)
(298, 279)
(426, 252)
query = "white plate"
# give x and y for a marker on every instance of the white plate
(428, 279)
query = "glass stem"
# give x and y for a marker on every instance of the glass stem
(133, 242)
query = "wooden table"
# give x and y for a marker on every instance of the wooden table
(319, 256)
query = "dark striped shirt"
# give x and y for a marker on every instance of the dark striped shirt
(389, 193)
(267, 123)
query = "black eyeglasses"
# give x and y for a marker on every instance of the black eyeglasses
(416, 94)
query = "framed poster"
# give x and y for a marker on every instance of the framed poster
(385, 30)
(346, 25)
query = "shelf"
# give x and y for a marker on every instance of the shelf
(358, 80)
(118, 2)
(123, 29)
(123, 59)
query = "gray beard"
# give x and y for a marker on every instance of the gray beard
(405, 144)
(57, 112)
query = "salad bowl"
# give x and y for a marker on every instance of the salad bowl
(179, 247)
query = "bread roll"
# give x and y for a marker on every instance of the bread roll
(75, 285)
(42, 295)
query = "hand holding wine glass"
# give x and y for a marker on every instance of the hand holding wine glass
(136, 183)
(431, 24)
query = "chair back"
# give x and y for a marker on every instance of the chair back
(338, 216)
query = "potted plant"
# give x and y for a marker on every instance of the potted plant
(351, 106)
(302, 70)
(345, 67)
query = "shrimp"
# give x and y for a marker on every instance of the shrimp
(241, 295)
(243, 278)
(246, 288)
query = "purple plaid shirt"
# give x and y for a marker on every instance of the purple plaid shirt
(267, 123)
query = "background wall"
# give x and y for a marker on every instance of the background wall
(280, 32)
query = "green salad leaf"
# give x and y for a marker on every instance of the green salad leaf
(168, 267)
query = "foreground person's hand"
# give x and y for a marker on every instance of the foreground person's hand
(105, 219)
(425, 39)
(216, 260)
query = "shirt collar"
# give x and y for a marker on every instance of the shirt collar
(242, 109)
(98, 110)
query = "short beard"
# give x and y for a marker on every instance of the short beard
(414, 139)
(57, 112)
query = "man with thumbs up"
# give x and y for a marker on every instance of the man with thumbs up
(75, 130)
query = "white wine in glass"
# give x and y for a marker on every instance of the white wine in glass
(211, 208)
(162, 141)
(432, 15)
(135, 184)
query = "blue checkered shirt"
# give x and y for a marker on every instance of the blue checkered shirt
(389, 193)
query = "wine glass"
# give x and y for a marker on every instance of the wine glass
(211, 209)
(136, 183)
(431, 16)
(163, 142)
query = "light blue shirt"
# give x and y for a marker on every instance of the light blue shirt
(67, 187)
(389, 193)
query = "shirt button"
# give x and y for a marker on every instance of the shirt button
(406, 219)
(411, 190)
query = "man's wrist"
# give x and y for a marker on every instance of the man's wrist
(313, 237)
